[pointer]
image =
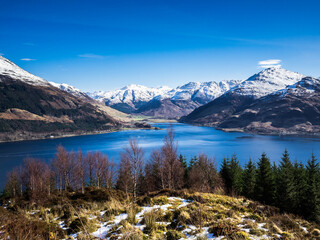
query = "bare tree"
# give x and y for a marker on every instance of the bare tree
(37, 176)
(124, 181)
(203, 175)
(79, 172)
(12, 185)
(90, 166)
(155, 172)
(174, 169)
(135, 156)
(63, 166)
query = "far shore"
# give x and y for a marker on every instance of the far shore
(44, 136)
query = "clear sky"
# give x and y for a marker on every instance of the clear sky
(104, 45)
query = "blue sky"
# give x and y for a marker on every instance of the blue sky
(104, 45)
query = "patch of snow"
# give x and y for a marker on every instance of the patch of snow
(70, 89)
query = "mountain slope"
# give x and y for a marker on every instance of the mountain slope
(238, 98)
(32, 107)
(293, 110)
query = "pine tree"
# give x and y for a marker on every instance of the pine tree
(312, 210)
(224, 172)
(300, 185)
(285, 184)
(249, 179)
(184, 165)
(265, 187)
(235, 172)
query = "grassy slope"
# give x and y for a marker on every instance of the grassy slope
(166, 215)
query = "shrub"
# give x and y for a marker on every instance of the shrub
(183, 217)
(168, 216)
(150, 221)
(78, 225)
(131, 215)
(223, 228)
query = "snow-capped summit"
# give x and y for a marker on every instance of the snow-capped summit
(8, 68)
(201, 92)
(267, 81)
(130, 94)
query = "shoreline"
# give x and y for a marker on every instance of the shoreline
(276, 133)
(76, 134)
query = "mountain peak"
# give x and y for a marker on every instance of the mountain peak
(267, 81)
(8, 68)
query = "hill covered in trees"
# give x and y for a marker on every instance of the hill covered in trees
(88, 196)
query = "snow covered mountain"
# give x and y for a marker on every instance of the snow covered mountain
(200, 92)
(9, 69)
(274, 101)
(134, 98)
(261, 84)
(267, 81)
(293, 110)
(132, 95)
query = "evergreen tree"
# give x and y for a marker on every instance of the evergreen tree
(312, 210)
(184, 165)
(193, 161)
(285, 184)
(235, 172)
(300, 185)
(249, 179)
(265, 187)
(224, 172)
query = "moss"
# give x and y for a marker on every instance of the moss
(257, 232)
(174, 235)
(241, 235)
(160, 200)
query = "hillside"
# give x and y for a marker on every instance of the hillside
(105, 214)
(31, 107)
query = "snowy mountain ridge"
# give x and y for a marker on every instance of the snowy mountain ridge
(267, 81)
(201, 92)
(70, 89)
(8, 68)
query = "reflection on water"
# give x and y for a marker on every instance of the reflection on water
(191, 141)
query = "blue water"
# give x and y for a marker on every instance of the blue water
(191, 141)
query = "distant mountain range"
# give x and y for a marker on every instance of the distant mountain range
(31, 107)
(163, 101)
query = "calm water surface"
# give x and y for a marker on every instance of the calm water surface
(191, 141)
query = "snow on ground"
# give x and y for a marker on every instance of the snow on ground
(105, 227)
